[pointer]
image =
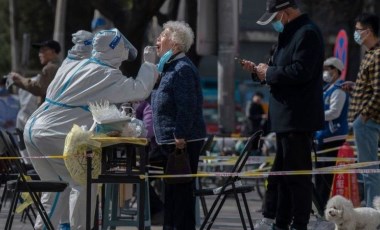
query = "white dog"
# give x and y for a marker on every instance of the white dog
(341, 211)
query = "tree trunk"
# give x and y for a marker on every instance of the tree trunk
(191, 19)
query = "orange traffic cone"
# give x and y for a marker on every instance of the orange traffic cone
(346, 184)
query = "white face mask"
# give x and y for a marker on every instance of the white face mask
(327, 77)
(358, 36)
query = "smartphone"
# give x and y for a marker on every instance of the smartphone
(240, 60)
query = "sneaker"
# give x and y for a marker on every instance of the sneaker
(264, 224)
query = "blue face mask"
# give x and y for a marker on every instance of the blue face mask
(278, 26)
(358, 38)
(165, 58)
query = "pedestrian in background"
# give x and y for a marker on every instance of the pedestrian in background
(335, 131)
(48, 54)
(256, 114)
(295, 106)
(364, 109)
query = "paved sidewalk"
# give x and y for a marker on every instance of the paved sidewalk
(228, 219)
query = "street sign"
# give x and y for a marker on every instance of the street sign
(341, 50)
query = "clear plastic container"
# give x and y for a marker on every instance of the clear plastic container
(112, 125)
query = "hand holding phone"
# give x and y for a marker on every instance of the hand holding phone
(240, 60)
(247, 65)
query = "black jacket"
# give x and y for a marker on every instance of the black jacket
(295, 78)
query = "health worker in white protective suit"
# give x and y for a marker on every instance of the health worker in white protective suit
(92, 80)
(81, 50)
(29, 103)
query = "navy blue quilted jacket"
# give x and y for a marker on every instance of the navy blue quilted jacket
(177, 103)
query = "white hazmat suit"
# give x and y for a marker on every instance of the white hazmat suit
(81, 50)
(92, 80)
(28, 104)
(82, 46)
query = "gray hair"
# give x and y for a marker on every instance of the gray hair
(181, 34)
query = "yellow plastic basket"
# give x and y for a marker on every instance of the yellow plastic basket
(77, 144)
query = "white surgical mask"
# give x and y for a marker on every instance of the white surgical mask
(327, 77)
(358, 38)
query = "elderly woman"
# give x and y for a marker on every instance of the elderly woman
(177, 117)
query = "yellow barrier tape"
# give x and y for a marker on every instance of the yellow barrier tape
(261, 159)
(348, 139)
(258, 173)
(263, 172)
(231, 159)
(232, 138)
(36, 157)
(266, 174)
(209, 159)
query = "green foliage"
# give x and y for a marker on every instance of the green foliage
(35, 18)
(79, 14)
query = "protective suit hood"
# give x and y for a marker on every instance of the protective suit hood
(111, 48)
(82, 45)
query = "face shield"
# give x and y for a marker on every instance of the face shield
(131, 52)
(111, 47)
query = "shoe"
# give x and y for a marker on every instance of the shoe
(264, 224)
(65, 226)
(157, 218)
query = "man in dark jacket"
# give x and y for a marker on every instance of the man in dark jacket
(295, 105)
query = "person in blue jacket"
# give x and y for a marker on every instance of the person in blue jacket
(335, 131)
(178, 118)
